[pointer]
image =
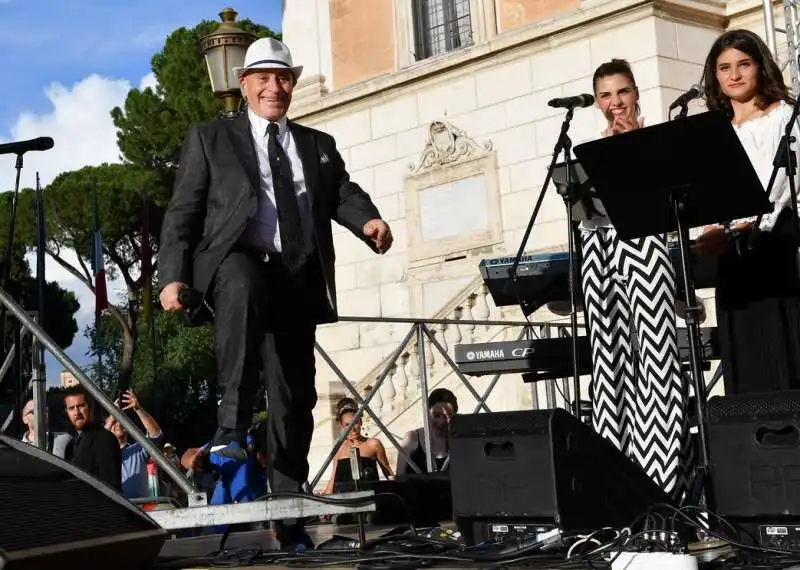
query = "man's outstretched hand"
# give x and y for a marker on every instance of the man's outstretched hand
(380, 234)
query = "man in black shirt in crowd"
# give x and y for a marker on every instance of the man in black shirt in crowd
(96, 449)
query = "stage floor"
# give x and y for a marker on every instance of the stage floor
(201, 546)
(251, 541)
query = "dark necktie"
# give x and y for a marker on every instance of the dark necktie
(289, 224)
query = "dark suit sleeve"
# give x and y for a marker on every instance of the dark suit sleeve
(182, 228)
(354, 207)
(108, 460)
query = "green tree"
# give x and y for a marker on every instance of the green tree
(60, 305)
(153, 123)
(70, 228)
(183, 400)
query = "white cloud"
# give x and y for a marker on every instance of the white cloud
(80, 124)
(148, 80)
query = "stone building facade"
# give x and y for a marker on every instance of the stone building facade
(439, 109)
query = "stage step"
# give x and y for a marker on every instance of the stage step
(260, 511)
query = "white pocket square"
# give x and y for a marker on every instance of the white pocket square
(323, 158)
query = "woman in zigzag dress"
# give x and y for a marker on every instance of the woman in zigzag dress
(638, 398)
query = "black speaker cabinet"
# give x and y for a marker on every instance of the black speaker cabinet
(754, 448)
(542, 468)
(54, 515)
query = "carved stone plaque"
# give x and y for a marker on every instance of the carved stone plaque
(452, 196)
(447, 144)
(454, 208)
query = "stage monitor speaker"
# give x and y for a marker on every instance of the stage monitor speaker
(754, 448)
(543, 469)
(55, 515)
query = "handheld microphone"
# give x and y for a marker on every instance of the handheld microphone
(21, 147)
(693, 93)
(355, 463)
(755, 234)
(190, 298)
(580, 101)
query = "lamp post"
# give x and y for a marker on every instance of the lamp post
(224, 49)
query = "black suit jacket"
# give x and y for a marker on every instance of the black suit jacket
(96, 451)
(216, 195)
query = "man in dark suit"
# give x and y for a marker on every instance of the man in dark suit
(249, 227)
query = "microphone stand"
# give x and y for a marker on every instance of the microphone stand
(784, 158)
(692, 319)
(5, 273)
(563, 144)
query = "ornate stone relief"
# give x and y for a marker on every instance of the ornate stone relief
(446, 145)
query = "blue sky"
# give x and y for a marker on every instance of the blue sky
(70, 62)
(45, 41)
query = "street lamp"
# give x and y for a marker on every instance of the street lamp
(224, 49)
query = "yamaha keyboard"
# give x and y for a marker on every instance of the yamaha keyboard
(551, 358)
(543, 278)
(540, 359)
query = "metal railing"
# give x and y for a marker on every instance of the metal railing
(41, 338)
(420, 331)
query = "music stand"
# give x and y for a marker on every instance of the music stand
(576, 188)
(672, 177)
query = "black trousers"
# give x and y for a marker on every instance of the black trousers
(264, 336)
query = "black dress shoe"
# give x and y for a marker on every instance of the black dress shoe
(293, 538)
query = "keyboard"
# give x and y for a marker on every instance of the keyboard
(543, 278)
(551, 358)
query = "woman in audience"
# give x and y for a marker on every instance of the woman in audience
(442, 406)
(371, 452)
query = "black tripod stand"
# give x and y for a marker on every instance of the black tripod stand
(563, 144)
(678, 199)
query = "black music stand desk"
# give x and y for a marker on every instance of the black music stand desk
(583, 202)
(697, 160)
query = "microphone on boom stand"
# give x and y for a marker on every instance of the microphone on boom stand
(579, 101)
(683, 100)
(19, 148)
(786, 158)
(563, 144)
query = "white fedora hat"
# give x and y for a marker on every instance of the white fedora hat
(268, 53)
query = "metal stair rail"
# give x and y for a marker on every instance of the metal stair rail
(198, 513)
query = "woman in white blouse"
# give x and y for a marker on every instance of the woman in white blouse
(758, 288)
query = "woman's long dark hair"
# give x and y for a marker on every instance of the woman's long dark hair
(771, 86)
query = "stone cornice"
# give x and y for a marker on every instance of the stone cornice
(598, 15)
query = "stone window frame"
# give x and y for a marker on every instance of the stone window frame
(483, 16)
(462, 158)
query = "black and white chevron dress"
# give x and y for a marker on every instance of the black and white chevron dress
(639, 398)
